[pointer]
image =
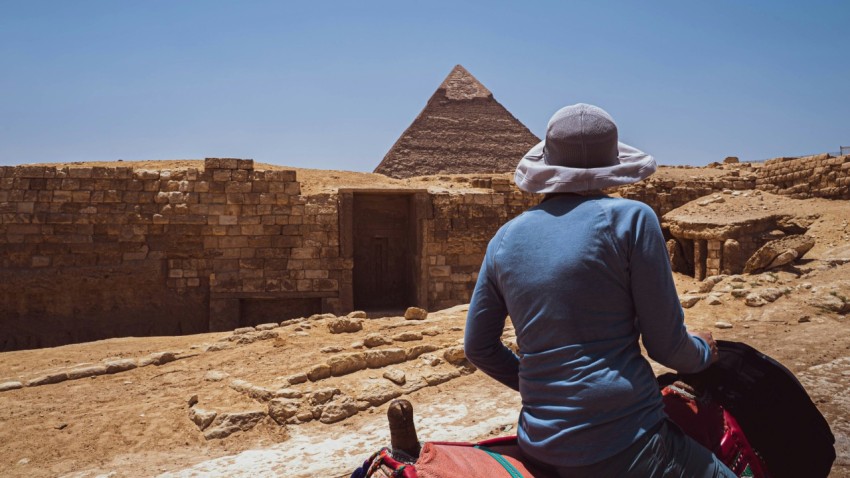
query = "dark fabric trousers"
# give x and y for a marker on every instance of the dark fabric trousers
(664, 452)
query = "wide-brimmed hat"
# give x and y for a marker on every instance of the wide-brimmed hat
(581, 153)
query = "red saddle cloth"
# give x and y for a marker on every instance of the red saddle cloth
(714, 428)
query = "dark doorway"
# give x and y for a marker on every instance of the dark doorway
(384, 248)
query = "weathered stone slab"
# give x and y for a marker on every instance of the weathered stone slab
(229, 423)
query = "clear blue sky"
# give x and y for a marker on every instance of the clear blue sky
(333, 84)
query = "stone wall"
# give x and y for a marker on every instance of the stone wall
(458, 234)
(807, 177)
(664, 195)
(89, 253)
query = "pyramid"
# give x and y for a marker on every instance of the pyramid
(462, 129)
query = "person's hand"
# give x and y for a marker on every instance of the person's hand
(712, 345)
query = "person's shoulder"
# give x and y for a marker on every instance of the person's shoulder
(626, 206)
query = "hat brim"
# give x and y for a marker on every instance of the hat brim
(535, 176)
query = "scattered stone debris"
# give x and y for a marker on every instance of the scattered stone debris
(281, 410)
(331, 349)
(358, 314)
(244, 330)
(268, 326)
(722, 325)
(713, 299)
(415, 313)
(193, 400)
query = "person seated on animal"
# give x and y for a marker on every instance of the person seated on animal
(583, 276)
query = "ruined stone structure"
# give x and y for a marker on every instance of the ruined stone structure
(89, 253)
(807, 177)
(717, 234)
(462, 129)
(95, 252)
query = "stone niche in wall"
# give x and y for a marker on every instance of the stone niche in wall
(719, 233)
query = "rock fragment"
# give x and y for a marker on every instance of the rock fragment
(358, 314)
(297, 378)
(158, 358)
(454, 355)
(407, 336)
(689, 301)
(376, 340)
(283, 409)
(122, 365)
(789, 247)
(344, 364)
(338, 409)
(395, 376)
(215, 376)
(86, 371)
(202, 418)
(229, 423)
(48, 379)
(415, 313)
(13, 385)
(383, 357)
(268, 326)
(319, 372)
(344, 325)
(722, 325)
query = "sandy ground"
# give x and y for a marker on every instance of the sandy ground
(136, 422)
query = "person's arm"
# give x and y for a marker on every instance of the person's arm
(485, 323)
(660, 318)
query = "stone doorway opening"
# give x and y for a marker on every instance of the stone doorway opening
(385, 246)
(383, 259)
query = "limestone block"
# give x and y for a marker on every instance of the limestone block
(227, 424)
(86, 371)
(376, 340)
(415, 313)
(765, 256)
(395, 376)
(158, 358)
(455, 355)
(282, 409)
(407, 336)
(346, 363)
(319, 372)
(48, 379)
(202, 418)
(117, 366)
(339, 325)
(375, 393)
(358, 314)
(383, 357)
(322, 395)
(13, 385)
(689, 301)
(418, 350)
(297, 378)
(338, 409)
